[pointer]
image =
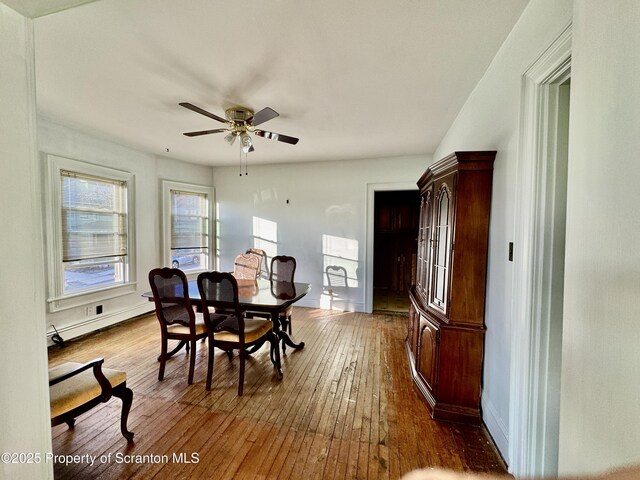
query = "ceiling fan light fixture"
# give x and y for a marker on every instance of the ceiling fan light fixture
(246, 142)
(230, 138)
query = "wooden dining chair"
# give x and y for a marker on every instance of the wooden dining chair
(283, 269)
(227, 328)
(246, 266)
(178, 319)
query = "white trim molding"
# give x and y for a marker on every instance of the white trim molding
(528, 416)
(167, 187)
(495, 424)
(372, 188)
(57, 300)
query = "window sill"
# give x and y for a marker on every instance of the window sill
(81, 299)
(193, 274)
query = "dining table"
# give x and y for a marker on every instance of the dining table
(263, 296)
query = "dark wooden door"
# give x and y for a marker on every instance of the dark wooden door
(395, 239)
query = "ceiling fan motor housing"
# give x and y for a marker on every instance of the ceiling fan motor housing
(238, 114)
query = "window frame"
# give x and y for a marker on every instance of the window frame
(57, 300)
(167, 187)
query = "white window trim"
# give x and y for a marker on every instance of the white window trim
(167, 186)
(56, 299)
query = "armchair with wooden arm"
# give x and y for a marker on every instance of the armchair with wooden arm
(75, 388)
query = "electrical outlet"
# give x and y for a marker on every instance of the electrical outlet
(98, 309)
(90, 311)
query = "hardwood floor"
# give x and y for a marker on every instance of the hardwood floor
(346, 408)
(386, 300)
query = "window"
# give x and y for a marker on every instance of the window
(94, 231)
(90, 232)
(187, 226)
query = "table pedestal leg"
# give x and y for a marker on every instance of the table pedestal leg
(286, 340)
(274, 353)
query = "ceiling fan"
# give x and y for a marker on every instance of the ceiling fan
(240, 123)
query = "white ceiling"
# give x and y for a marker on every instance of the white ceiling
(39, 8)
(351, 79)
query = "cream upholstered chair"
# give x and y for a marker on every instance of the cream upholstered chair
(75, 388)
(227, 328)
(263, 269)
(246, 266)
(178, 319)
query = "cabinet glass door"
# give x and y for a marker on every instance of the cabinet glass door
(442, 235)
(424, 241)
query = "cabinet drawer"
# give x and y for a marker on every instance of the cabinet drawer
(427, 358)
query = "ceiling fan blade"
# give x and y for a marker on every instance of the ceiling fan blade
(264, 115)
(205, 132)
(277, 136)
(202, 112)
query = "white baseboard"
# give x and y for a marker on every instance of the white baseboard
(346, 305)
(97, 322)
(496, 427)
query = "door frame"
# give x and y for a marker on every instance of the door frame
(529, 411)
(372, 188)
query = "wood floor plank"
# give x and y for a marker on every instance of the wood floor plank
(293, 379)
(300, 403)
(347, 455)
(323, 422)
(374, 447)
(355, 418)
(346, 408)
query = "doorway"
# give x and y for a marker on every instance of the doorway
(538, 289)
(553, 281)
(395, 241)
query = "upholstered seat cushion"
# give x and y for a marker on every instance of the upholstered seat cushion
(184, 330)
(254, 328)
(79, 389)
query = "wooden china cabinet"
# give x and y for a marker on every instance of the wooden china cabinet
(445, 338)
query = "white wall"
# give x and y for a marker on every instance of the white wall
(327, 198)
(149, 170)
(490, 120)
(24, 393)
(600, 393)
(600, 397)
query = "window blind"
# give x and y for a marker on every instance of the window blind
(94, 217)
(189, 220)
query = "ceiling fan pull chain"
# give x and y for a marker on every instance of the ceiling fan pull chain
(240, 158)
(246, 164)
